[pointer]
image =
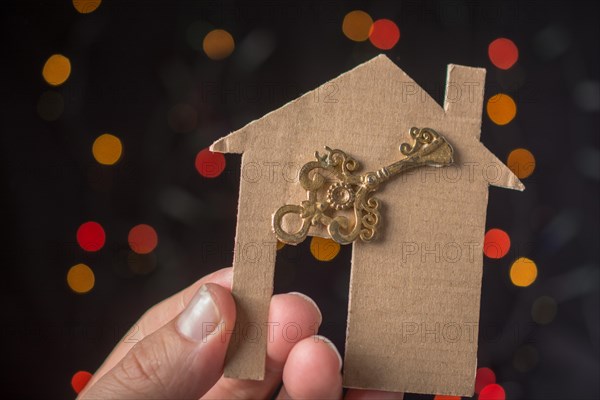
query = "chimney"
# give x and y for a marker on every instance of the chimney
(464, 93)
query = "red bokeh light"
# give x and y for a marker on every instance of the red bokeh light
(142, 239)
(79, 380)
(209, 164)
(503, 53)
(492, 392)
(496, 243)
(384, 34)
(485, 376)
(91, 236)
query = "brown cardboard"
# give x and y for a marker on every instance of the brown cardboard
(414, 302)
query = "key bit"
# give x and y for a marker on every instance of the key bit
(429, 148)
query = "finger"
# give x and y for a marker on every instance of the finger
(292, 317)
(181, 360)
(360, 394)
(312, 371)
(158, 316)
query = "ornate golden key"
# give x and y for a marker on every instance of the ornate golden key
(429, 149)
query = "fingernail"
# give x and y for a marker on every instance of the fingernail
(200, 317)
(311, 301)
(330, 344)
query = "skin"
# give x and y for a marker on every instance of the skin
(161, 363)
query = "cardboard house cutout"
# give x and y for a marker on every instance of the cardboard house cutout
(415, 290)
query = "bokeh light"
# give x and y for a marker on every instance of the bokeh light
(484, 377)
(587, 160)
(384, 34)
(183, 118)
(80, 278)
(501, 109)
(324, 249)
(141, 264)
(107, 149)
(142, 239)
(525, 358)
(521, 162)
(503, 53)
(209, 164)
(86, 6)
(496, 243)
(255, 49)
(523, 272)
(91, 236)
(544, 310)
(551, 42)
(218, 44)
(56, 70)
(50, 105)
(586, 95)
(177, 78)
(492, 392)
(79, 380)
(357, 25)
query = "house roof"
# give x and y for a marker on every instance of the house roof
(463, 102)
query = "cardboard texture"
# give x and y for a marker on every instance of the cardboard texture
(415, 290)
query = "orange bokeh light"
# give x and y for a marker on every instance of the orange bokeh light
(357, 25)
(324, 249)
(57, 70)
(521, 162)
(80, 278)
(523, 272)
(218, 44)
(107, 149)
(501, 109)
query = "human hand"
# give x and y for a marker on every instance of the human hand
(178, 357)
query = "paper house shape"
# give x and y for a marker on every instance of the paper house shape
(415, 290)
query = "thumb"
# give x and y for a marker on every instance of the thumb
(183, 359)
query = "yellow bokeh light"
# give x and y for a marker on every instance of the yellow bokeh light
(86, 6)
(107, 149)
(80, 278)
(56, 69)
(357, 25)
(324, 249)
(521, 162)
(501, 109)
(523, 272)
(218, 44)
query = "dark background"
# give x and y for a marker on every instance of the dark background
(133, 60)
